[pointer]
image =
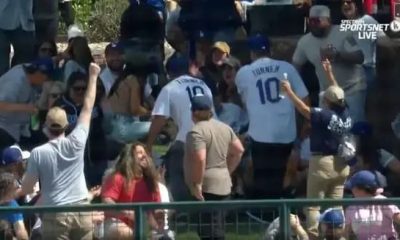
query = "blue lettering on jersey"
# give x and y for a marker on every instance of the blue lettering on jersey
(265, 69)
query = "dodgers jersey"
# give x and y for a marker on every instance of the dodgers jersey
(174, 101)
(271, 113)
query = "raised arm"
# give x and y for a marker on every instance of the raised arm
(90, 96)
(326, 64)
(301, 106)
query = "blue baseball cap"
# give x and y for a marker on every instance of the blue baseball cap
(201, 103)
(362, 178)
(13, 154)
(333, 217)
(177, 63)
(44, 65)
(114, 46)
(258, 43)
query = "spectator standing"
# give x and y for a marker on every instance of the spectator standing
(80, 57)
(327, 41)
(354, 10)
(67, 12)
(17, 28)
(18, 93)
(45, 14)
(115, 66)
(272, 119)
(8, 186)
(212, 72)
(59, 164)
(370, 221)
(174, 102)
(212, 153)
(327, 171)
(72, 102)
(133, 179)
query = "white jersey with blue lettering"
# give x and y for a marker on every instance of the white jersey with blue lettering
(174, 101)
(271, 113)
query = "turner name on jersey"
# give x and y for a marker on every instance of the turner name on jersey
(271, 114)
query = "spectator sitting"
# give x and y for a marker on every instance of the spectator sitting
(18, 91)
(369, 221)
(80, 57)
(127, 102)
(8, 186)
(133, 179)
(6, 231)
(297, 231)
(72, 102)
(115, 65)
(332, 224)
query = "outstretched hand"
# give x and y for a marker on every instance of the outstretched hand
(285, 86)
(326, 64)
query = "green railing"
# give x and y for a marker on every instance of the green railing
(284, 206)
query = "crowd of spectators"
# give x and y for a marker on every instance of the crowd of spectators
(234, 129)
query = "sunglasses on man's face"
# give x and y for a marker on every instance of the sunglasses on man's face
(314, 21)
(79, 88)
(55, 95)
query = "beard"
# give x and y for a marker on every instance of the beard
(115, 67)
(319, 32)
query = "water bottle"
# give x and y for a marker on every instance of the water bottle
(98, 231)
(35, 122)
(285, 77)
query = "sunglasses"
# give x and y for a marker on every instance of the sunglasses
(45, 49)
(79, 89)
(55, 95)
(314, 20)
(347, 2)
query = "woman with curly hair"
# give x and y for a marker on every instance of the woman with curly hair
(133, 179)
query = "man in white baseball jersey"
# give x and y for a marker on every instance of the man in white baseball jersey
(174, 102)
(272, 126)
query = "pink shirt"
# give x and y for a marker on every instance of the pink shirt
(372, 222)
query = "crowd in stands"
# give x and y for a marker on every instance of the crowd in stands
(234, 129)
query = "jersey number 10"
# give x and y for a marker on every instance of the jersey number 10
(269, 90)
(193, 91)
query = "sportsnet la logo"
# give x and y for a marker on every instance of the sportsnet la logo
(364, 30)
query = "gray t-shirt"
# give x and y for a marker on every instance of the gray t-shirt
(350, 77)
(59, 165)
(15, 88)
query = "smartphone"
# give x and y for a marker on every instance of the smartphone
(397, 10)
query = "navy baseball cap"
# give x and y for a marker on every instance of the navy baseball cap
(114, 46)
(13, 154)
(177, 63)
(333, 217)
(44, 65)
(201, 103)
(362, 178)
(259, 43)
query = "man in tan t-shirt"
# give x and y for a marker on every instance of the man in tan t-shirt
(212, 153)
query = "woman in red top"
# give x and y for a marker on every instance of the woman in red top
(133, 179)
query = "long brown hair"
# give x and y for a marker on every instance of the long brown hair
(129, 168)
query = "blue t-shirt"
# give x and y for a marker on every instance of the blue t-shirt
(327, 127)
(12, 218)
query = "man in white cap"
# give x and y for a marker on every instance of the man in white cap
(328, 170)
(326, 41)
(59, 164)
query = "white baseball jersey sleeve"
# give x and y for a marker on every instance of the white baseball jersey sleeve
(174, 102)
(271, 114)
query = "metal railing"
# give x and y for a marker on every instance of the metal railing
(283, 205)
